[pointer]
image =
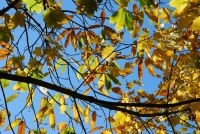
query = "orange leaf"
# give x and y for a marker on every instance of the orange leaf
(135, 9)
(133, 50)
(117, 90)
(140, 69)
(93, 120)
(21, 127)
(61, 126)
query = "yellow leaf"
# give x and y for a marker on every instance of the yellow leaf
(51, 118)
(75, 113)
(29, 98)
(181, 6)
(108, 53)
(43, 102)
(101, 81)
(106, 132)
(62, 126)
(164, 14)
(80, 110)
(93, 120)
(196, 24)
(86, 113)
(21, 127)
(13, 124)
(12, 97)
(62, 104)
(2, 117)
(41, 114)
(86, 91)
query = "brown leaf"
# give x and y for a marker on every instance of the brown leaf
(21, 127)
(64, 33)
(140, 69)
(103, 16)
(95, 129)
(67, 41)
(117, 90)
(93, 120)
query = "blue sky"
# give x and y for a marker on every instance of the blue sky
(150, 83)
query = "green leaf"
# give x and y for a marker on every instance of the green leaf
(147, 3)
(12, 97)
(114, 79)
(5, 83)
(122, 3)
(122, 18)
(54, 17)
(86, 6)
(108, 83)
(34, 5)
(80, 71)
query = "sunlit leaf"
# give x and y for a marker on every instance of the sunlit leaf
(86, 91)
(21, 127)
(140, 69)
(29, 98)
(62, 105)
(86, 113)
(181, 6)
(108, 53)
(13, 124)
(34, 5)
(51, 116)
(122, 3)
(75, 113)
(196, 24)
(2, 117)
(101, 81)
(42, 113)
(61, 126)
(93, 120)
(95, 129)
(122, 18)
(12, 97)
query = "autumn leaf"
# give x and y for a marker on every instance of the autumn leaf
(62, 105)
(21, 127)
(93, 120)
(61, 126)
(2, 117)
(196, 24)
(51, 116)
(122, 18)
(181, 6)
(75, 113)
(86, 113)
(13, 124)
(12, 97)
(108, 53)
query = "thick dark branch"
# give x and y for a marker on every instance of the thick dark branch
(4, 10)
(106, 104)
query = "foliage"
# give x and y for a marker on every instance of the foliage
(87, 66)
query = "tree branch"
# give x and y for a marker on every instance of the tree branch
(4, 10)
(106, 104)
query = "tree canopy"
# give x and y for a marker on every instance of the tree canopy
(89, 66)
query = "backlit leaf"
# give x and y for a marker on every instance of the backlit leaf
(21, 128)
(2, 117)
(75, 113)
(13, 124)
(62, 105)
(117, 90)
(122, 18)
(196, 24)
(34, 5)
(93, 120)
(51, 115)
(86, 113)
(61, 126)
(108, 53)
(12, 97)
(180, 7)
(140, 69)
